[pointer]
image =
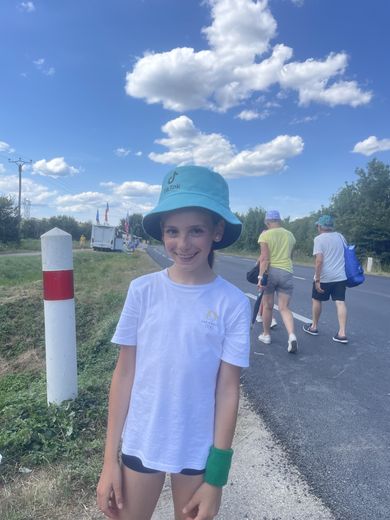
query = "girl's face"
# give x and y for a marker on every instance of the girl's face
(188, 236)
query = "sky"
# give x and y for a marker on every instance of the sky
(284, 98)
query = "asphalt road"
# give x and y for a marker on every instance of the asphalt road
(329, 405)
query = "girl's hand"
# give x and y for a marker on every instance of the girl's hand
(109, 491)
(204, 504)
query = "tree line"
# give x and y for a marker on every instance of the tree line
(361, 210)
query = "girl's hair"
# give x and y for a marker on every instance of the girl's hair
(211, 258)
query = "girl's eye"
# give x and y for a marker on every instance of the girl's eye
(197, 231)
(170, 232)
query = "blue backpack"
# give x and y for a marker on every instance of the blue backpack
(353, 268)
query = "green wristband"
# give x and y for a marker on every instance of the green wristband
(218, 466)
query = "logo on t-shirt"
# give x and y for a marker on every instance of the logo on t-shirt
(211, 319)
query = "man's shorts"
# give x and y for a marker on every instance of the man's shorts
(334, 289)
(279, 280)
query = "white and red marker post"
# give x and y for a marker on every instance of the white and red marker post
(60, 319)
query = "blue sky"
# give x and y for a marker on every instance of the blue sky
(285, 98)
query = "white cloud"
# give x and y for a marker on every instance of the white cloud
(40, 65)
(230, 71)
(372, 145)
(56, 167)
(248, 115)
(132, 196)
(2, 168)
(300, 120)
(35, 192)
(122, 152)
(138, 154)
(186, 144)
(136, 189)
(28, 7)
(85, 202)
(5, 147)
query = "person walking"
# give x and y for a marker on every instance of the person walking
(183, 336)
(259, 317)
(329, 277)
(276, 246)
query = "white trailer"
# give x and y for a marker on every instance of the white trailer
(105, 238)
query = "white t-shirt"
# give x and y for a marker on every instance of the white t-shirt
(331, 245)
(182, 332)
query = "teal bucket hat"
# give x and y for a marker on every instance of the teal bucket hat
(325, 221)
(194, 187)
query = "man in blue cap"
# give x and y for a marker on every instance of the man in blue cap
(329, 276)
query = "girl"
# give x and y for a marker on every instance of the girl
(184, 334)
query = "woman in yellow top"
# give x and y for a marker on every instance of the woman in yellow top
(276, 246)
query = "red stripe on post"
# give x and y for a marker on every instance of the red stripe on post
(58, 285)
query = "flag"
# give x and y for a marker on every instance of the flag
(106, 213)
(97, 217)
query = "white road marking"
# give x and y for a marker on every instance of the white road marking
(299, 277)
(297, 316)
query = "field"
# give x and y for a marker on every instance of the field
(51, 456)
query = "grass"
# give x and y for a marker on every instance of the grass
(61, 445)
(28, 245)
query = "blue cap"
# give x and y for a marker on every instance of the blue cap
(325, 221)
(272, 214)
(194, 187)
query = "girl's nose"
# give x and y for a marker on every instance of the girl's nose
(184, 242)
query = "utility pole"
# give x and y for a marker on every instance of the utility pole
(20, 162)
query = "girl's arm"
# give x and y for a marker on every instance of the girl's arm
(226, 403)
(207, 499)
(109, 490)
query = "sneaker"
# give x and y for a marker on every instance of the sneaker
(308, 328)
(340, 339)
(265, 338)
(259, 319)
(292, 344)
(273, 323)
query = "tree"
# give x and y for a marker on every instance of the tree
(362, 210)
(252, 226)
(135, 225)
(304, 231)
(8, 220)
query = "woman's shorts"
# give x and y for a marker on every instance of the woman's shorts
(279, 280)
(135, 464)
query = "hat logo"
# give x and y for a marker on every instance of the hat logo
(172, 177)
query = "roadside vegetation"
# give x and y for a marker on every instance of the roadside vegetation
(51, 455)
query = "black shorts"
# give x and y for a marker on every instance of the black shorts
(135, 464)
(334, 289)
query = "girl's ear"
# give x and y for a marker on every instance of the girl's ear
(219, 229)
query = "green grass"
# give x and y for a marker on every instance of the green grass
(19, 270)
(28, 245)
(63, 444)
